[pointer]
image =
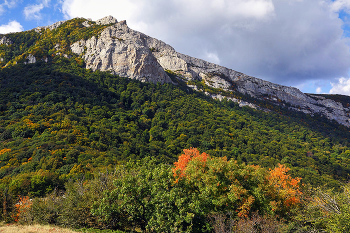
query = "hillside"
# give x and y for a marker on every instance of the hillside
(61, 121)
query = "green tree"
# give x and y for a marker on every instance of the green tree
(329, 210)
(144, 197)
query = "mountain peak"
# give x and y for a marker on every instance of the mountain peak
(106, 20)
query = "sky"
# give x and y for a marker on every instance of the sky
(299, 43)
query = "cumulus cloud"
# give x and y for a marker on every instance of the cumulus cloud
(283, 41)
(339, 5)
(318, 90)
(341, 87)
(156, 9)
(12, 26)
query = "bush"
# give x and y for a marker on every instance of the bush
(330, 210)
(47, 210)
(144, 197)
(72, 208)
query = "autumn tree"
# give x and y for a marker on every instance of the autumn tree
(285, 191)
(22, 209)
(218, 185)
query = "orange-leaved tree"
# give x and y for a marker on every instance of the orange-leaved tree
(218, 185)
(191, 154)
(285, 191)
(22, 208)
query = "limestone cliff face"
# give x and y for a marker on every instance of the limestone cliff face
(121, 51)
(4, 40)
(51, 27)
(132, 54)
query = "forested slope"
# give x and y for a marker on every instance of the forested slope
(61, 122)
(55, 116)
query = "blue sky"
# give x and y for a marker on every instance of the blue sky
(30, 13)
(300, 43)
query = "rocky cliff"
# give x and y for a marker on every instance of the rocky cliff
(4, 40)
(121, 51)
(129, 53)
(51, 27)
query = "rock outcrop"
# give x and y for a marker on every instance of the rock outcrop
(31, 59)
(121, 51)
(106, 20)
(132, 54)
(86, 24)
(51, 27)
(4, 40)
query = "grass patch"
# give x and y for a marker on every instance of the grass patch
(15, 228)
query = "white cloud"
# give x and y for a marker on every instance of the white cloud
(341, 87)
(284, 41)
(8, 4)
(2, 9)
(33, 11)
(212, 57)
(318, 90)
(45, 2)
(339, 5)
(155, 9)
(11, 3)
(12, 26)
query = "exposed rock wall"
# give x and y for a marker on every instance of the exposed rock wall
(132, 54)
(51, 27)
(31, 59)
(121, 51)
(106, 20)
(4, 40)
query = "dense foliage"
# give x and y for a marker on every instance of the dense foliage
(145, 195)
(199, 193)
(59, 120)
(60, 123)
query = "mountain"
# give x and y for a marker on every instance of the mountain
(103, 122)
(128, 53)
(79, 96)
(132, 54)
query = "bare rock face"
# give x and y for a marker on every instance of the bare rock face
(121, 51)
(86, 24)
(132, 54)
(216, 76)
(51, 27)
(4, 40)
(106, 20)
(31, 59)
(309, 104)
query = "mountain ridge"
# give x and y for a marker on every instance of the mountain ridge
(129, 53)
